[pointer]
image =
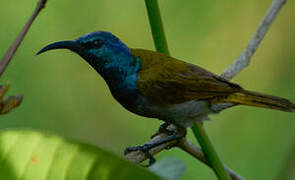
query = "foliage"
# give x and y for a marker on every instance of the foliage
(26, 154)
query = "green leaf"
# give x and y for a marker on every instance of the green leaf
(26, 154)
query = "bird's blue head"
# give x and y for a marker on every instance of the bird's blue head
(103, 51)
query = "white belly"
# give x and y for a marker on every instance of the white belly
(183, 114)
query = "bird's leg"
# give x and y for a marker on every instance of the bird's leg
(176, 136)
(163, 129)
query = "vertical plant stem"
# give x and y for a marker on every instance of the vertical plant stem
(209, 151)
(198, 129)
(157, 26)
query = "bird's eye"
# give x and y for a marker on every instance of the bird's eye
(97, 44)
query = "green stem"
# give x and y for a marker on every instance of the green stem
(200, 133)
(209, 151)
(157, 26)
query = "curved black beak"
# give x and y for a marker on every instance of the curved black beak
(71, 45)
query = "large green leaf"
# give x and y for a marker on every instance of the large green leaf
(26, 154)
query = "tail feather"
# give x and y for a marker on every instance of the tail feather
(261, 100)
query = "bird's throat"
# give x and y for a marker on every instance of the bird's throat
(117, 73)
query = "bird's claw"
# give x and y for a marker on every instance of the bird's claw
(163, 129)
(177, 142)
(176, 136)
(143, 148)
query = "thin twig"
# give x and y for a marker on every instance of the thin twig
(185, 145)
(196, 152)
(9, 54)
(139, 156)
(244, 59)
(242, 62)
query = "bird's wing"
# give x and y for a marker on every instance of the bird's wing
(165, 80)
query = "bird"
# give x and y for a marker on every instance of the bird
(155, 85)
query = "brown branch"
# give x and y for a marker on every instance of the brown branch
(184, 144)
(139, 156)
(196, 152)
(242, 62)
(9, 54)
(14, 101)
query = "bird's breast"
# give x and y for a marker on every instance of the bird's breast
(126, 93)
(182, 114)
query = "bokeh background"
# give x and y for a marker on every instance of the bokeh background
(65, 96)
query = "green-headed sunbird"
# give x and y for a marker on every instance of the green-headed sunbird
(154, 85)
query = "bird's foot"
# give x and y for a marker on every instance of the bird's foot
(143, 148)
(177, 136)
(163, 129)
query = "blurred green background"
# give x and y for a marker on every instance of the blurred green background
(64, 95)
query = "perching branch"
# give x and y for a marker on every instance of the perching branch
(9, 54)
(184, 144)
(242, 62)
(139, 156)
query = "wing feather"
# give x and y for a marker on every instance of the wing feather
(165, 80)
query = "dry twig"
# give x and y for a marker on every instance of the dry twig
(9, 103)
(14, 101)
(9, 54)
